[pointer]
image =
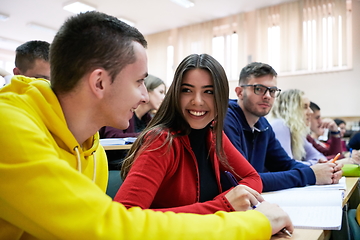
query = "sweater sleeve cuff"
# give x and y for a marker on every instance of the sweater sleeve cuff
(227, 205)
(311, 178)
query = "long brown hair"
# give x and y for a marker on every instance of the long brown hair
(170, 118)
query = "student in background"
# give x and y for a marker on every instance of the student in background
(250, 132)
(143, 113)
(290, 119)
(51, 158)
(342, 128)
(319, 126)
(176, 163)
(354, 142)
(31, 60)
(290, 104)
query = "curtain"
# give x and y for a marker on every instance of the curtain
(294, 37)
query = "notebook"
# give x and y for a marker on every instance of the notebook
(117, 141)
(339, 186)
(112, 141)
(320, 209)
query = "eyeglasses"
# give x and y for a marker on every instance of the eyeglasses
(260, 89)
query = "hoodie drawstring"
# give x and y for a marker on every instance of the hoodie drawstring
(78, 159)
(94, 173)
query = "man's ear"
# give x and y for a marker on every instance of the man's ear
(17, 71)
(97, 81)
(239, 92)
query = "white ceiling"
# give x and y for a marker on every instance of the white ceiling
(150, 16)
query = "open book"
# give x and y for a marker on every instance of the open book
(339, 186)
(320, 209)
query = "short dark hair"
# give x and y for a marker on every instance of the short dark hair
(88, 41)
(27, 53)
(314, 107)
(152, 82)
(255, 69)
(339, 121)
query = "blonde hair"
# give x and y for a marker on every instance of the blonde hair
(289, 107)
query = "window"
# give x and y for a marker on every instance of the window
(225, 50)
(313, 41)
(295, 37)
(170, 65)
(274, 51)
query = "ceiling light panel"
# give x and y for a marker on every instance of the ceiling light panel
(42, 28)
(4, 17)
(78, 7)
(184, 3)
(9, 44)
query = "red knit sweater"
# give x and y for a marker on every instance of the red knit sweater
(334, 148)
(167, 179)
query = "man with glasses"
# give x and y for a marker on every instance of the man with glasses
(252, 135)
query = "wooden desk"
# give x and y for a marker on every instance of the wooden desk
(318, 234)
(117, 147)
(308, 234)
(351, 186)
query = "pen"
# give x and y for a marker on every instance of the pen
(231, 178)
(350, 156)
(335, 158)
(234, 183)
(255, 206)
(284, 230)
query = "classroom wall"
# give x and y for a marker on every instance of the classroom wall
(337, 93)
(7, 59)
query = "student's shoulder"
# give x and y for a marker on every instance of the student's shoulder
(233, 105)
(234, 112)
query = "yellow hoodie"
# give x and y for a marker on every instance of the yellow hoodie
(51, 188)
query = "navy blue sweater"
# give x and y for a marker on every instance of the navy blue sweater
(265, 153)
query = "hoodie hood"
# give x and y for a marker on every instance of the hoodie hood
(40, 111)
(38, 95)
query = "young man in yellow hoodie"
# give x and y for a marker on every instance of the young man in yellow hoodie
(53, 171)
